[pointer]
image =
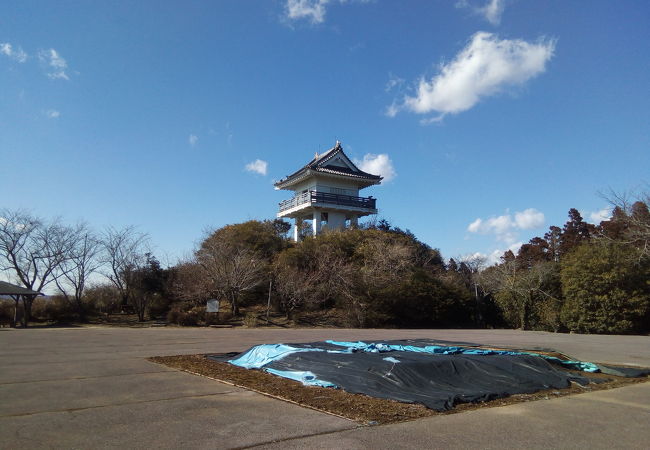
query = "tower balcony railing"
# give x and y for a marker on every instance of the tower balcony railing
(312, 197)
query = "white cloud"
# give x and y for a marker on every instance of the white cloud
(494, 256)
(393, 82)
(596, 217)
(485, 67)
(313, 10)
(377, 165)
(430, 120)
(52, 114)
(472, 256)
(55, 63)
(492, 11)
(529, 219)
(505, 227)
(193, 139)
(392, 110)
(257, 166)
(475, 226)
(16, 54)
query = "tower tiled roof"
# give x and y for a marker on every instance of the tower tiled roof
(322, 164)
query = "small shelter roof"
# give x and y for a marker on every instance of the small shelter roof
(12, 289)
(323, 164)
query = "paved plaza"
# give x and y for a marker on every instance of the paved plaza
(92, 387)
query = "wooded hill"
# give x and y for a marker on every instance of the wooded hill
(579, 277)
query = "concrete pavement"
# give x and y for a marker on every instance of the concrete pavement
(93, 388)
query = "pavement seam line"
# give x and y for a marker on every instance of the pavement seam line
(304, 436)
(84, 408)
(82, 378)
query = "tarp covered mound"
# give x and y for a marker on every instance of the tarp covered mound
(434, 374)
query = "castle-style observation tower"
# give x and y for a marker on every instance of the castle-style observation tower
(326, 191)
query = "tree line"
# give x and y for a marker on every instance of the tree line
(579, 277)
(41, 254)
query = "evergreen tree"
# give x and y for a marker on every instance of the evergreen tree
(536, 251)
(575, 232)
(148, 283)
(605, 290)
(553, 238)
(616, 227)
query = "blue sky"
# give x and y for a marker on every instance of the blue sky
(495, 117)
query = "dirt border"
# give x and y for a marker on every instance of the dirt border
(356, 407)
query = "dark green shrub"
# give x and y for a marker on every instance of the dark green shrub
(606, 289)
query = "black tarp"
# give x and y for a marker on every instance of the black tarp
(627, 372)
(438, 381)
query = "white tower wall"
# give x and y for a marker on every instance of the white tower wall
(335, 220)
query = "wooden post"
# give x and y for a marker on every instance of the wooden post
(268, 304)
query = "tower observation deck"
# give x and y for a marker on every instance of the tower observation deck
(326, 191)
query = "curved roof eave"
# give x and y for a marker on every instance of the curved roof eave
(317, 166)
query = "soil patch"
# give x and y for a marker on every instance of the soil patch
(357, 407)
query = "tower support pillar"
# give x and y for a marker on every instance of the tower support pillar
(316, 222)
(354, 221)
(297, 225)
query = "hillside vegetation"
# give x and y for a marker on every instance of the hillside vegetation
(579, 277)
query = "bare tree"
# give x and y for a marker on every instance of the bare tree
(190, 283)
(74, 272)
(518, 289)
(385, 260)
(231, 268)
(630, 212)
(295, 287)
(321, 271)
(32, 250)
(123, 252)
(312, 281)
(105, 297)
(470, 270)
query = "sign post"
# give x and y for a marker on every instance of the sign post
(211, 307)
